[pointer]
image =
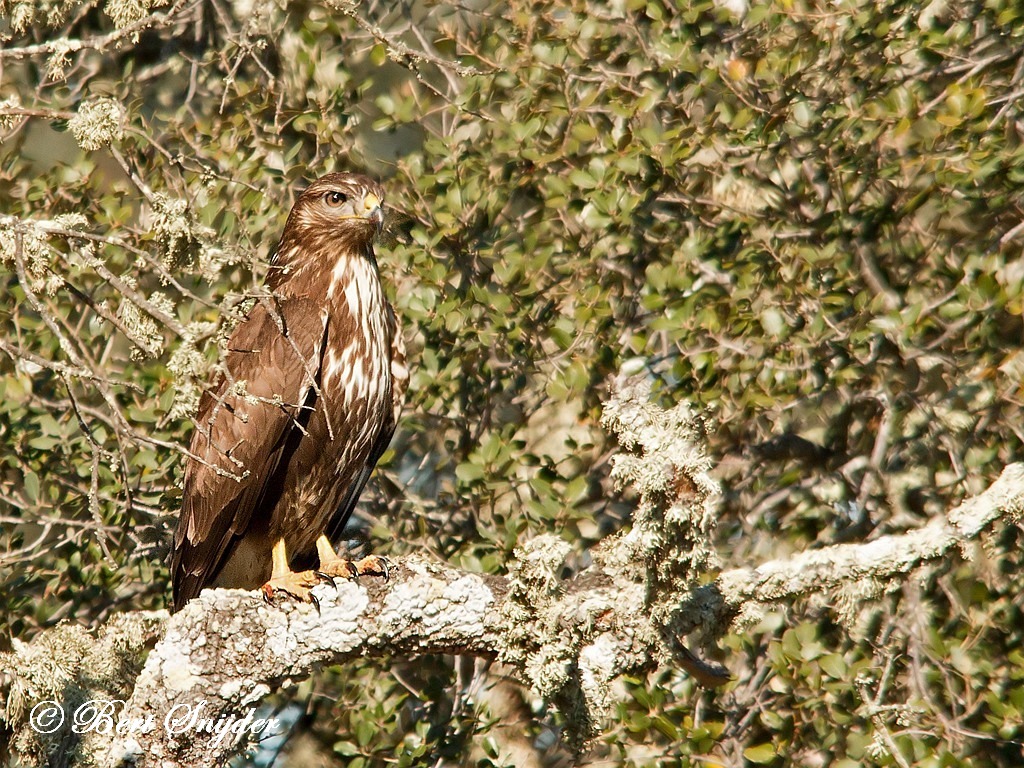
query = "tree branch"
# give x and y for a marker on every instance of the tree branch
(193, 701)
(882, 559)
(115, 37)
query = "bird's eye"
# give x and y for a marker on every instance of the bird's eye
(334, 198)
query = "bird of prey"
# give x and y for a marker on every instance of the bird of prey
(313, 384)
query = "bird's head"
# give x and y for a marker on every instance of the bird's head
(340, 213)
(343, 204)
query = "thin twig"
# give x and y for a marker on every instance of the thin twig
(99, 43)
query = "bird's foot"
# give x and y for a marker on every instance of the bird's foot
(297, 585)
(373, 565)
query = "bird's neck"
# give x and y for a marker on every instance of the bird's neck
(296, 272)
(354, 287)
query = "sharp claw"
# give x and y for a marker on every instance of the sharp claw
(316, 603)
(352, 574)
(325, 578)
(387, 569)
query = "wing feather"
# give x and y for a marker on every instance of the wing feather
(242, 434)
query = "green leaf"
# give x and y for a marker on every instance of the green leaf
(468, 472)
(833, 665)
(345, 748)
(31, 481)
(761, 754)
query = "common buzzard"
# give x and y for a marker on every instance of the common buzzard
(286, 439)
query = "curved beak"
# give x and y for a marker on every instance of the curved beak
(373, 209)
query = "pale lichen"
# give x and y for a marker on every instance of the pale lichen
(63, 668)
(71, 221)
(675, 517)
(570, 650)
(533, 587)
(28, 242)
(42, 668)
(240, 388)
(538, 563)
(182, 239)
(547, 633)
(851, 597)
(598, 667)
(141, 329)
(668, 548)
(188, 366)
(21, 16)
(161, 302)
(127, 12)
(7, 121)
(340, 627)
(60, 59)
(443, 607)
(212, 259)
(98, 123)
(749, 615)
(38, 13)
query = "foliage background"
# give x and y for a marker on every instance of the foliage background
(807, 217)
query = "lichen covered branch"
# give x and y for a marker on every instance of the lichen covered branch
(567, 637)
(885, 558)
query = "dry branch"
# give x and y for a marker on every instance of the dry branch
(568, 639)
(228, 649)
(883, 559)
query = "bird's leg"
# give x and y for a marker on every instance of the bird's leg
(284, 580)
(333, 565)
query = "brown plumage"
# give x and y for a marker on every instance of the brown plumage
(286, 439)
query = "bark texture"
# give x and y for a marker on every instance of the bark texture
(568, 639)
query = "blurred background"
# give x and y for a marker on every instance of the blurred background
(806, 218)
